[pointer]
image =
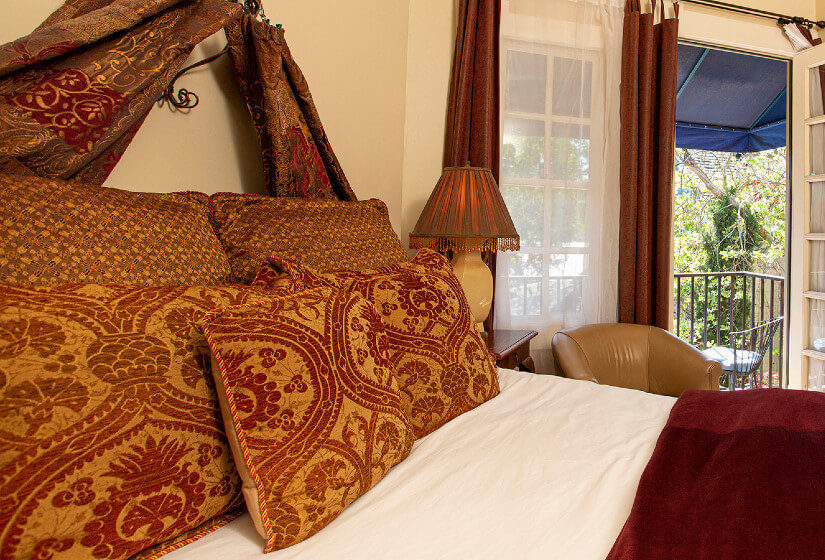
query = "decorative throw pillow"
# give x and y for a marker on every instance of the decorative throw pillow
(111, 439)
(442, 364)
(325, 234)
(56, 232)
(312, 410)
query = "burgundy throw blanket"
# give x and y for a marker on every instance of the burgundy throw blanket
(733, 475)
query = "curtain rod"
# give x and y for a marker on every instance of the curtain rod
(782, 19)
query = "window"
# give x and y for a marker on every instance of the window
(545, 175)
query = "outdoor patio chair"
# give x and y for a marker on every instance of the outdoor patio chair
(742, 358)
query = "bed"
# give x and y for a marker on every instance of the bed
(118, 440)
(547, 469)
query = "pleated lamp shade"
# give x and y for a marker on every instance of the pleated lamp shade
(465, 212)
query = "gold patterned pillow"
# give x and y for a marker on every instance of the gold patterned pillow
(111, 439)
(56, 232)
(312, 409)
(442, 364)
(325, 234)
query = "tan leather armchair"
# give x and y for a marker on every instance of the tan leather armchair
(634, 356)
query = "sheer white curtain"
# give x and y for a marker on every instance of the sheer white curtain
(561, 68)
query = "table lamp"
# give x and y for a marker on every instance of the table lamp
(466, 214)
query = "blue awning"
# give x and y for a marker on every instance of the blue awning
(730, 102)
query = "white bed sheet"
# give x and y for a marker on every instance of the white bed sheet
(548, 469)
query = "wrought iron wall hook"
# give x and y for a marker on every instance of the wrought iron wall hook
(185, 99)
(255, 8)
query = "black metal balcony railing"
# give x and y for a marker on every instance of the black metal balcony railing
(708, 306)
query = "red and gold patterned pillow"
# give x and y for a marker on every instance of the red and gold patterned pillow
(56, 232)
(325, 234)
(111, 439)
(312, 410)
(442, 364)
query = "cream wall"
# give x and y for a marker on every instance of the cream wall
(354, 57)
(378, 71)
(430, 45)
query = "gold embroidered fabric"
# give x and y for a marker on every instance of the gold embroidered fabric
(297, 157)
(325, 234)
(54, 232)
(74, 92)
(442, 365)
(111, 439)
(312, 407)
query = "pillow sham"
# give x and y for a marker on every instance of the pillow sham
(111, 439)
(324, 234)
(442, 364)
(57, 232)
(312, 410)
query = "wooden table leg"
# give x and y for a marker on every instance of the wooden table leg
(528, 365)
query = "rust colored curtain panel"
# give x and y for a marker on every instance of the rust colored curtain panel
(648, 125)
(297, 158)
(472, 132)
(74, 92)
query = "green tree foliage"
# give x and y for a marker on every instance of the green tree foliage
(732, 240)
(739, 223)
(729, 217)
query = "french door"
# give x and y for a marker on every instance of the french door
(807, 259)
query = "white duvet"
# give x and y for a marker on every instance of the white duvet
(548, 469)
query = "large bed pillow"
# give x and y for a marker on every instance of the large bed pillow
(325, 234)
(312, 410)
(442, 364)
(58, 232)
(111, 439)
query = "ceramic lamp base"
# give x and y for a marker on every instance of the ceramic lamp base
(477, 282)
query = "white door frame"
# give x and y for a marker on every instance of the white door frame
(799, 353)
(791, 226)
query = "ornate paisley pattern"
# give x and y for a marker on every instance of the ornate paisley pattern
(54, 232)
(111, 439)
(443, 366)
(297, 157)
(70, 105)
(325, 234)
(74, 91)
(313, 403)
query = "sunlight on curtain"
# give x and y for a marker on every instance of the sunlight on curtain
(561, 67)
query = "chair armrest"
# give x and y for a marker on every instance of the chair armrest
(570, 359)
(675, 366)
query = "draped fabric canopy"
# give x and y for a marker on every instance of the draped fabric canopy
(298, 160)
(75, 91)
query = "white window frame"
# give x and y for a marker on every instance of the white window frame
(594, 122)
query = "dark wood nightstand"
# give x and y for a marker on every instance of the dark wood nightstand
(511, 348)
